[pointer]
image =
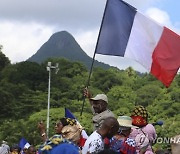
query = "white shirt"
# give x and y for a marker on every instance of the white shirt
(93, 144)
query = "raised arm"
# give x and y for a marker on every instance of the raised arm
(88, 95)
(42, 130)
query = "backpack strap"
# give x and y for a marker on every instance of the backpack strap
(147, 138)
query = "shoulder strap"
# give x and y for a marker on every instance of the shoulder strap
(147, 138)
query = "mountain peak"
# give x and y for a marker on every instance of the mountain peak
(62, 44)
(62, 39)
(61, 36)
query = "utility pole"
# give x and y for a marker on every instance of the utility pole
(49, 67)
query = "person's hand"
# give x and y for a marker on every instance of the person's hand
(41, 127)
(87, 93)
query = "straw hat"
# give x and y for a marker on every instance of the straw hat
(125, 121)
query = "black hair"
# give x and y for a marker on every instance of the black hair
(64, 121)
(15, 146)
(107, 151)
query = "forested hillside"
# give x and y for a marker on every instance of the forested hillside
(23, 97)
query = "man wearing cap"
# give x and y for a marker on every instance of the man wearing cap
(99, 108)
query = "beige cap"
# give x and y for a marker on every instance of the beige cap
(100, 97)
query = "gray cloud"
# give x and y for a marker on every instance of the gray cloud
(79, 14)
(82, 18)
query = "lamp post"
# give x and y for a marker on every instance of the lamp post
(49, 67)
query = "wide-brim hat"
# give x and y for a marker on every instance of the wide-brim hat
(125, 121)
(100, 97)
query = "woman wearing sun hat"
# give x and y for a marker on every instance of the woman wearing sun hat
(121, 143)
(146, 134)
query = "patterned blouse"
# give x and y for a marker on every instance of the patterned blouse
(53, 142)
(93, 144)
(123, 146)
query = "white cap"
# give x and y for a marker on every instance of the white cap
(100, 97)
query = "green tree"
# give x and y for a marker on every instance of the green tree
(147, 94)
(28, 73)
(6, 110)
(121, 97)
(4, 61)
(105, 79)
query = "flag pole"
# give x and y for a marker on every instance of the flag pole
(91, 68)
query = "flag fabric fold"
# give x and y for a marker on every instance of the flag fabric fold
(84, 135)
(128, 33)
(23, 143)
(68, 114)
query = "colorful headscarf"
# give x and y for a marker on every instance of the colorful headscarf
(139, 116)
(68, 121)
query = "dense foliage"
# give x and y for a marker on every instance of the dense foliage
(23, 97)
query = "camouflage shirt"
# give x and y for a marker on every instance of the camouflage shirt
(99, 118)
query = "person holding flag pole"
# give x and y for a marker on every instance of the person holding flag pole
(125, 32)
(99, 106)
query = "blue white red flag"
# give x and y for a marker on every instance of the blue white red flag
(128, 33)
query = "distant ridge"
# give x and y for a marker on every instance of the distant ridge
(63, 44)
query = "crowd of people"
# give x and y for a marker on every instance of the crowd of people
(124, 134)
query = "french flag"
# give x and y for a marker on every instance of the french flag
(126, 32)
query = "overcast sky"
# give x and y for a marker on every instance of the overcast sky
(25, 25)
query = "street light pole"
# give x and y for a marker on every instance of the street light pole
(49, 67)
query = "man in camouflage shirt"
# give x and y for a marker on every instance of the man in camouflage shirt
(99, 108)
